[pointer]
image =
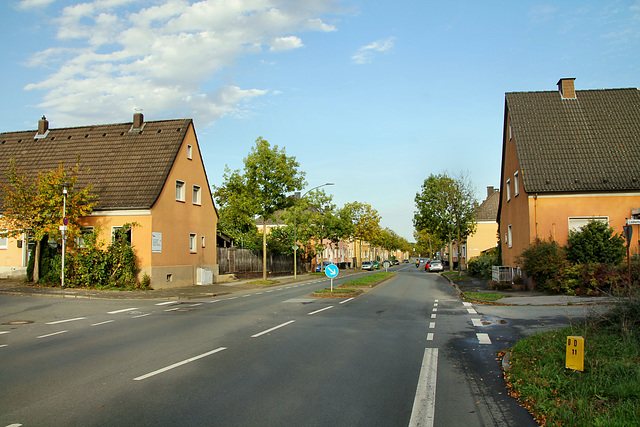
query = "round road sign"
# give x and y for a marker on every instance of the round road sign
(331, 270)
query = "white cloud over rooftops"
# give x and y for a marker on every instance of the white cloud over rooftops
(114, 54)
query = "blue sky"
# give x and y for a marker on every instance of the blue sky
(373, 96)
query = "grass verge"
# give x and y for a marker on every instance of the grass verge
(264, 282)
(483, 296)
(606, 393)
(368, 280)
(335, 291)
(455, 277)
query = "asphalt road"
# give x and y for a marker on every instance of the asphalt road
(408, 352)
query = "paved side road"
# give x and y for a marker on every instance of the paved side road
(15, 287)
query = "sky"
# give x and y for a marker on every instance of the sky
(371, 95)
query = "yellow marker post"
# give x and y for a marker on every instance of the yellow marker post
(575, 353)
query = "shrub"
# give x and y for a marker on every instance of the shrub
(481, 266)
(595, 242)
(541, 262)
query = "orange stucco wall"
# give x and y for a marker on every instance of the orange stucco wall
(485, 237)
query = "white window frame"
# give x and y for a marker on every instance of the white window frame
(508, 190)
(196, 195)
(189, 152)
(4, 242)
(80, 239)
(193, 245)
(575, 223)
(180, 190)
(510, 236)
(202, 238)
(117, 227)
(516, 184)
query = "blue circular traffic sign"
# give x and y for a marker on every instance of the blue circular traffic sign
(331, 271)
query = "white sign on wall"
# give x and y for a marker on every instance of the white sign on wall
(156, 242)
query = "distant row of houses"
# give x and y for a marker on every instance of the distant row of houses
(568, 157)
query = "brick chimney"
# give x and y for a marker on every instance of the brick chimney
(43, 128)
(138, 120)
(490, 191)
(566, 88)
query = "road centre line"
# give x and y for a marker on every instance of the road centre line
(50, 335)
(430, 336)
(65, 321)
(347, 300)
(103, 323)
(4, 345)
(476, 322)
(121, 311)
(432, 325)
(5, 332)
(166, 303)
(141, 315)
(433, 316)
(472, 311)
(434, 310)
(272, 329)
(424, 404)
(318, 311)
(175, 365)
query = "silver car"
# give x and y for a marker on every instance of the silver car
(367, 265)
(436, 265)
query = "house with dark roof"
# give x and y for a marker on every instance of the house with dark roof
(149, 173)
(486, 234)
(568, 157)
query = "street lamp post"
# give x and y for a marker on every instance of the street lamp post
(63, 227)
(295, 231)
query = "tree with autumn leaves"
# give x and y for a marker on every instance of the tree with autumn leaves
(33, 205)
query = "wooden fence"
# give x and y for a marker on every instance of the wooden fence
(245, 261)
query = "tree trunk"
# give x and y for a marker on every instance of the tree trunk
(450, 254)
(36, 263)
(264, 248)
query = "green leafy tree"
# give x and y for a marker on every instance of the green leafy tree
(445, 207)
(34, 205)
(261, 189)
(365, 222)
(428, 244)
(595, 242)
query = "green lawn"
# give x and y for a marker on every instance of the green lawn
(606, 393)
(483, 296)
(368, 279)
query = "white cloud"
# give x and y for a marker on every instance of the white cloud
(113, 55)
(364, 55)
(286, 43)
(32, 4)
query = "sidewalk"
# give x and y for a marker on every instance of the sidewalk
(18, 287)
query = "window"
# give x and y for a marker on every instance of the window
(189, 151)
(126, 234)
(192, 243)
(202, 241)
(3, 242)
(508, 190)
(510, 131)
(196, 194)
(180, 190)
(84, 232)
(509, 236)
(576, 223)
(516, 182)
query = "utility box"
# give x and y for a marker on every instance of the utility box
(204, 276)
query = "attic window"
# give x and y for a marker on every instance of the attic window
(159, 130)
(104, 134)
(516, 183)
(121, 133)
(53, 137)
(69, 137)
(86, 135)
(180, 191)
(508, 190)
(189, 151)
(178, 130)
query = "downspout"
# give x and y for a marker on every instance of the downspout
(535, 212)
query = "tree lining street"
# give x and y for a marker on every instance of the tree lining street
(268, 357)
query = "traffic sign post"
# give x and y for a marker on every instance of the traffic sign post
(331, 271)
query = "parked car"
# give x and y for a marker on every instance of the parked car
(324, 265)
(435, 265)
(367, 265)
(406, 261)
(396, 262)
(376, 264)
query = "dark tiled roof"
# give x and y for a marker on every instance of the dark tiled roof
(591, 143)
(127, 169)
(488, 210)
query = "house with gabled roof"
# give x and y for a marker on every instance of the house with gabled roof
(485, 236)
(568, 157)
(149, 173)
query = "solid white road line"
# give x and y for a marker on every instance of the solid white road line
(347, 300)
(318, 311)
(424, 404)
(50, 335)
(121, 311)
(483, 338)
(64, 321)
(175, 365)
(141, 315)
(476, 322)
(103, 323)
(272, 329)
(166, 303)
